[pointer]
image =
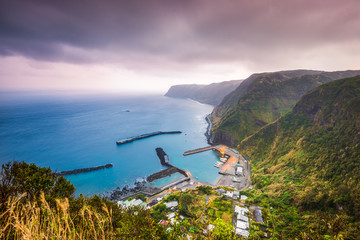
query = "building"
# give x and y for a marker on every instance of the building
(220, 191)
(243, 218)
(131, 203)
(258, 216)
(242, 225)
(241, 210)
(171, 204)
(242, 233)
(243, 197)
(210, 227)
(164, 222)
(236, 194)
(171, 215)
(239, 171)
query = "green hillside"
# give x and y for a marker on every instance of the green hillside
(262, 99)
(307, 164)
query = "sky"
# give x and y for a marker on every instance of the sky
(147, 46)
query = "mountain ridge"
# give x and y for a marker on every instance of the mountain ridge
(263, 98)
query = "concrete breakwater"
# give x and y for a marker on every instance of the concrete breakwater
(164, 158)
(83, 170)
(131, 139)
(165, 173)
(161, 174)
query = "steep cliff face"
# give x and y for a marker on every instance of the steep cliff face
(265, 97)
(310, 159)
(222, 138)
(211, 94)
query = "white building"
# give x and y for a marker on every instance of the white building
(242, 233)
(171, 204)
(243, 218)
(229, 194)
(242, 225)
(171, 215)
(243, 197)
(239, 171)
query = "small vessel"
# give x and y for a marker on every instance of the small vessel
(218, 164)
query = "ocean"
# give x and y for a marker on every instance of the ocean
(70, 132)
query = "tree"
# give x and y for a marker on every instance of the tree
(222, 230)
(19, 177)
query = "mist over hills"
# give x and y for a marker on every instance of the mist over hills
(211, 94)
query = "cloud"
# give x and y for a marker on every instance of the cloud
(170, 37)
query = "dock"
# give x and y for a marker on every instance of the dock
(198, 150)
(146, 135)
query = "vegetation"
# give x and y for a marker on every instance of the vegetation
(306, 165)
(262, 99)
(36, 204)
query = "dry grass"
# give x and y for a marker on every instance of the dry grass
(32, 220)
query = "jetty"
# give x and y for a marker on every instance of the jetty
(164, 158)
(83, 170)
(146, 135)
(198, 150)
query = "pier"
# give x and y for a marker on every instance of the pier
(83, 170)
(131, 139)
(198, 150)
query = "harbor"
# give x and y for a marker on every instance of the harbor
(234, 168)
(146, 135)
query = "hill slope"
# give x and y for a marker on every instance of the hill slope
(263, 98)
(211, 94)
(310, 159)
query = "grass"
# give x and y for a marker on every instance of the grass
(36, 220)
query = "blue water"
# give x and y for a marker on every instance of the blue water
(68, 132)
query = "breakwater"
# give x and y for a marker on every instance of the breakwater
(83, 170)
(198, 150)
(131, 139)
(145, 187)
(164, 158)
(165, 173)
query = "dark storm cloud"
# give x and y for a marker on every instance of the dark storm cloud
(175, 33)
